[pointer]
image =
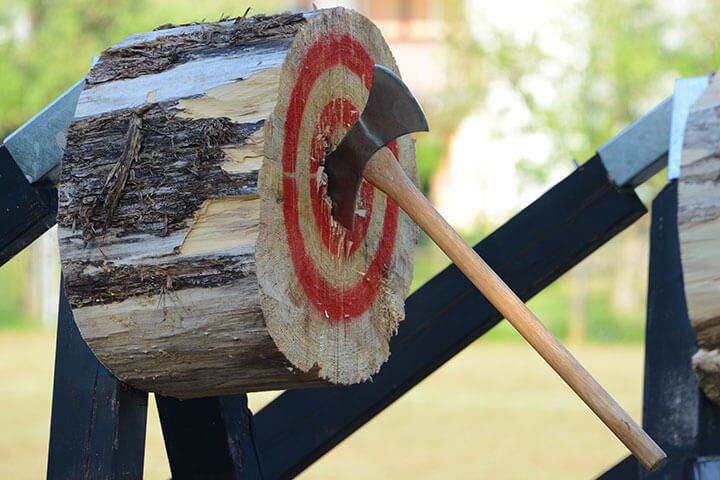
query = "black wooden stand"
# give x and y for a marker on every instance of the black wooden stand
(98, 424)
(675, 412)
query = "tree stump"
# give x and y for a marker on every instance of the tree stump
(197, 246)
(699, 232)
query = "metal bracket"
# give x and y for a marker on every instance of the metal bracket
(706, 468)
(640, 150)
(38, 145)
(687, 92)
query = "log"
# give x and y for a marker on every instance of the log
(699, 233)
(198, 251)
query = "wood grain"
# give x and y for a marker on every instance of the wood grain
(347, 296)
(699, 231)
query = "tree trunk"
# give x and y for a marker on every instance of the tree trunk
(699, 230)
(187, 275)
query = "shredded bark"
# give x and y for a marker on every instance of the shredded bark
(168, 26)
(213, 38)
(708, 333)
(100, 282)
(110, 184)
(116, 180)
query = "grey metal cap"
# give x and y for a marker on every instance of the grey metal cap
(37, 146)
(687, 92)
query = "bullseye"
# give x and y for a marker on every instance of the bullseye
(337, 115)
(345, 302)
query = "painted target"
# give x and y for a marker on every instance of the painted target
(331, 298)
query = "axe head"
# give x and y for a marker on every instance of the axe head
(391, 111)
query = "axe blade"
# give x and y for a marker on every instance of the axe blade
(391, 112)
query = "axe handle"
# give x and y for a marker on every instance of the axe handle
(384, 171)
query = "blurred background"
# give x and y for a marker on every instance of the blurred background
(517, 93)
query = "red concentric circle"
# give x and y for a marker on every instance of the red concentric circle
(336, 303)
(338, 114)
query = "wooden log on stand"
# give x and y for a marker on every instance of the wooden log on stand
(699, 231)
(197, 246)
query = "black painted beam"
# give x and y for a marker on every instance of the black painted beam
(675, 411)
(97, 429)
(625, 469)
(671, 395)
(208, 438)
(533, 249)
(26, 211)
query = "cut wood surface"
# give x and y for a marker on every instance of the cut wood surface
(699, 231)
(197, 247)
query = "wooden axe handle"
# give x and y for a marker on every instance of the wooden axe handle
(384, 171)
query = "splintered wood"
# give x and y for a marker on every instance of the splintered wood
(197, 246)
(699, 231)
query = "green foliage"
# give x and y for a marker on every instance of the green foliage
(633, 50)
(12, 293)
(467, 72)
(430, 151)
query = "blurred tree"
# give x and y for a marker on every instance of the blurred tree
(626, 55)
(463, 92)
(631, 52)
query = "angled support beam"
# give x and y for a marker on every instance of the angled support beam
(29, 167)
(671, 393)
(209, 437)
(532, 250)
(26, 211)
(706, 468)
(37, 146)
(97, 429)
(641, 149)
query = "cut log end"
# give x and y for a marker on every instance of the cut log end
(699, 230)
(345, 301)
(198, 251)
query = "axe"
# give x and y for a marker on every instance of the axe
(392, 111)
